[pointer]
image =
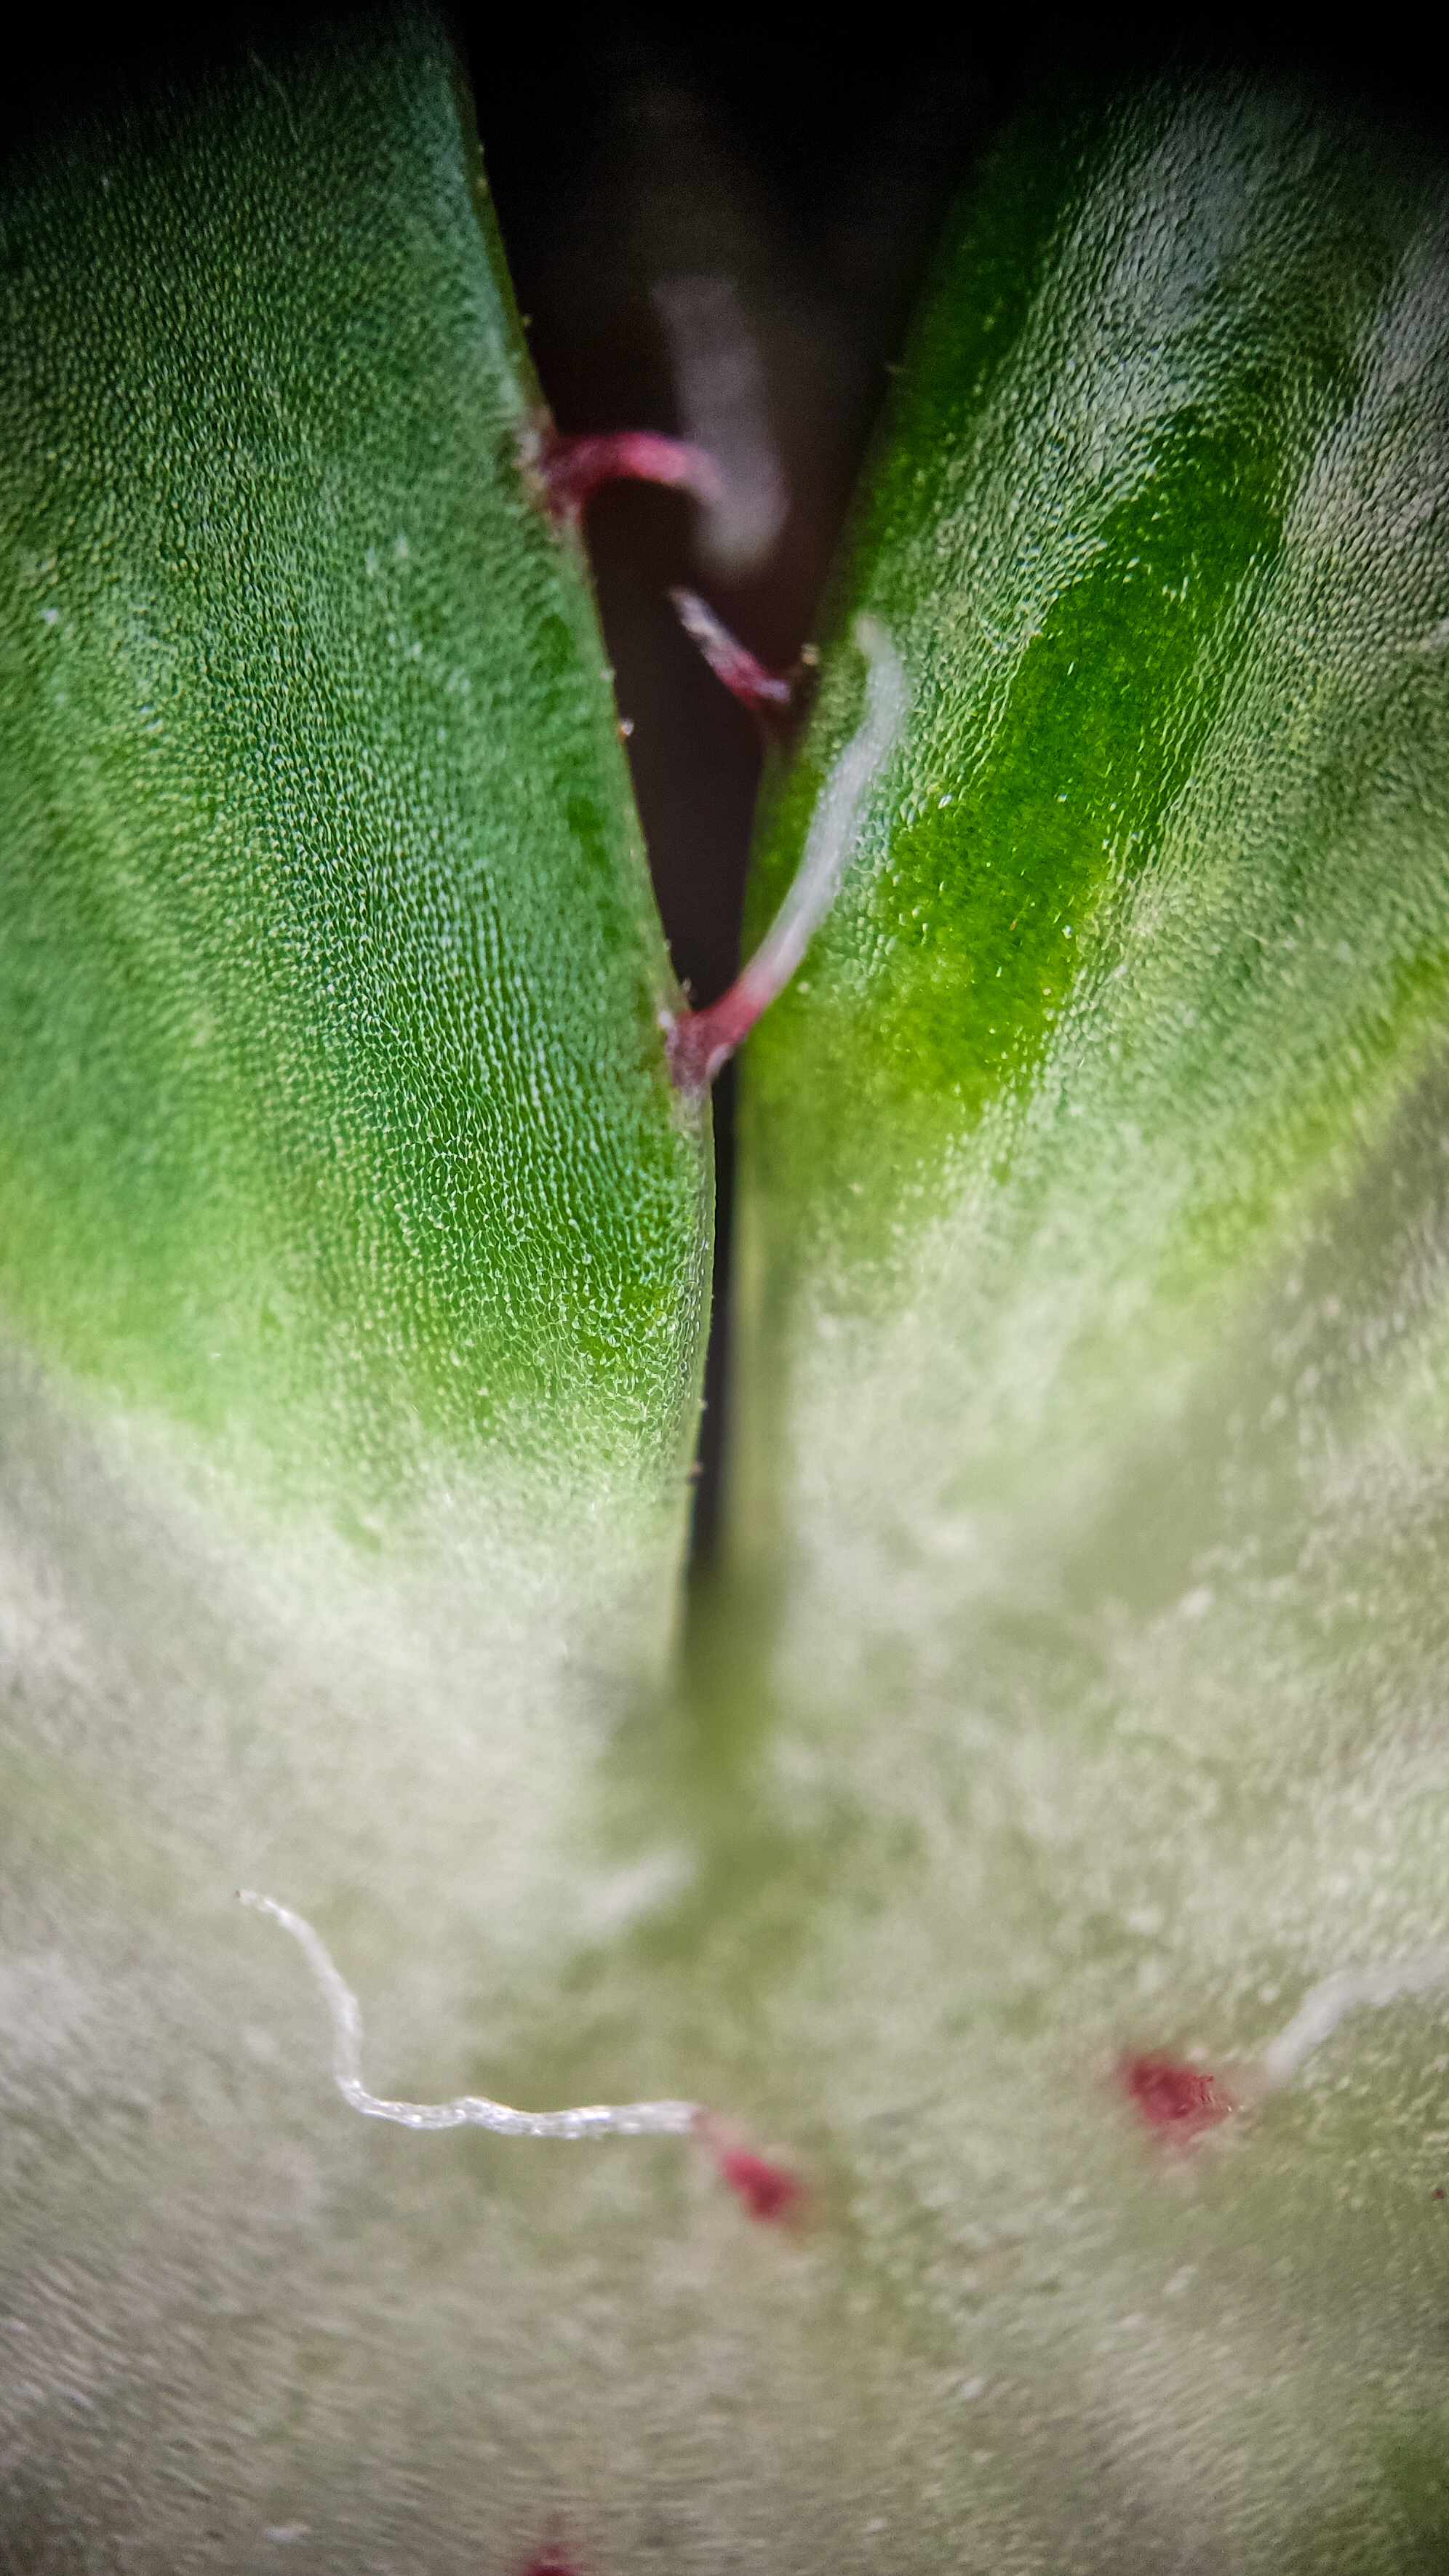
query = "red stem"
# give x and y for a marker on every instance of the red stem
(697, 1043)
(731, 661)
(572, 470)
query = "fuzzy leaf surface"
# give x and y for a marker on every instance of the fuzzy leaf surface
(1091, 1490)
(353, 1255)
(335, 1120)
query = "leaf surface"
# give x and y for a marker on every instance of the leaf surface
(1091, 1489)
(1072, 1707)
(336, 1126)
(353, 1256)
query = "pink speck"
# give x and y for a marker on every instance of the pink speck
(550, 2560)
(767, 2191)
(571, 470)
(1176, 2100)
(764, 692)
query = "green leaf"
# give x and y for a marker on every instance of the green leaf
(336, 1129)
(353, 1256)
(1092, 1360)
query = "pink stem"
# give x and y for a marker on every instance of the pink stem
(572, 470)
(729, 659)
(697, 1043)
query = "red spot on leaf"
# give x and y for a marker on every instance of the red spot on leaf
(551, 2560)
(1177, 2101)
(767, 2191)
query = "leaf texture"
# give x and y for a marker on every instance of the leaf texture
(1091, 1486)
(353, 1256)
(336, 1125)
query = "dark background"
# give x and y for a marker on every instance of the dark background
(811, 159)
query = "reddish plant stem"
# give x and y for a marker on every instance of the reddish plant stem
(697, 1043)
(572, 470)
(731, 661)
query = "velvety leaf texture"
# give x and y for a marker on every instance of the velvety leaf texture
(1092, 1360)
(353, 1253)
(1071, 1703)
(335, 1116)
(1153, 525)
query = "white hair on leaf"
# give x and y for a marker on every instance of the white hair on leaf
(725, 412)
(466, 2110)
(697, 1043)
(1347, 1990)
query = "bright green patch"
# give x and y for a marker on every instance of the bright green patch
(333, 1114)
